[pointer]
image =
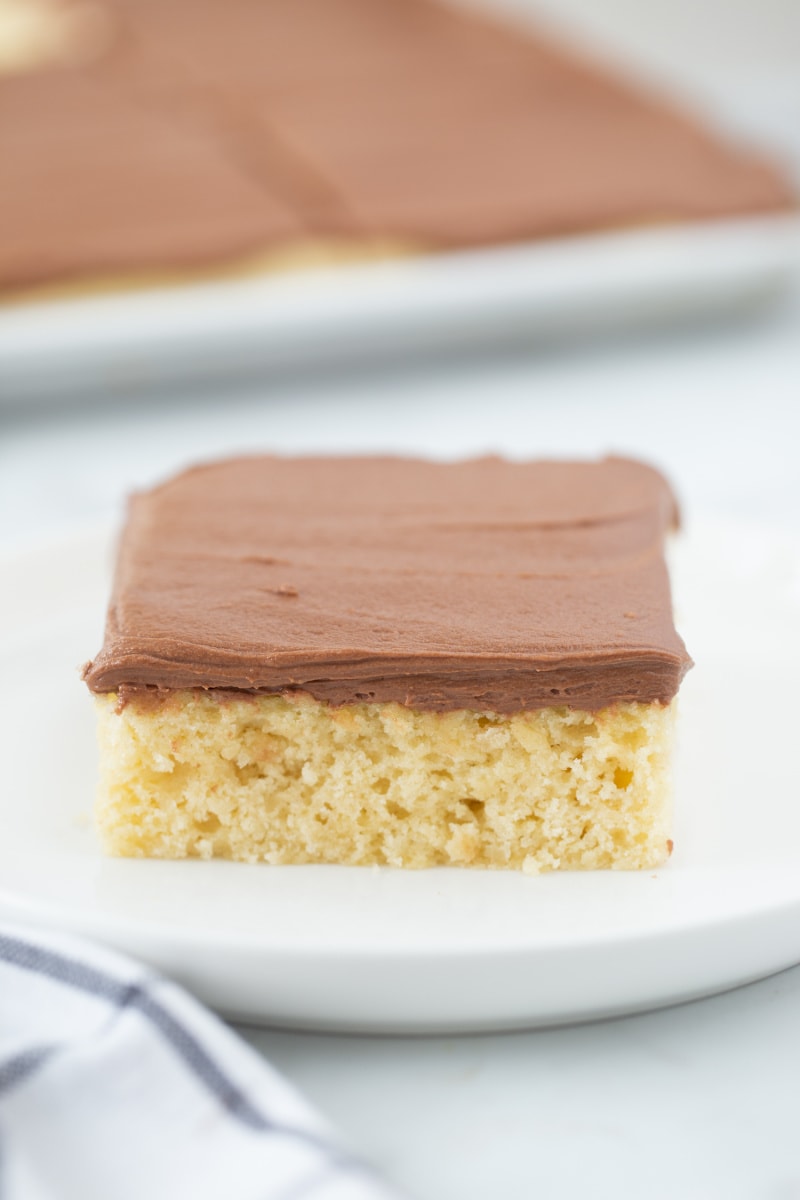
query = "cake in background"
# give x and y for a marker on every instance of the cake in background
(159, 139)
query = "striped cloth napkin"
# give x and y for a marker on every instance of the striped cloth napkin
(117, 1085)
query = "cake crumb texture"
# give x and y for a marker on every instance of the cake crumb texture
(289, 779)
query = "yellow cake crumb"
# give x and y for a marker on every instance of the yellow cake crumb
(292, 780)
(37, 33)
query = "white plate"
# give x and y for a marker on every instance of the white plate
(362, 949)
(316, 317)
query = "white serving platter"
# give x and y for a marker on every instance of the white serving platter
(444, 950)
(318, 318)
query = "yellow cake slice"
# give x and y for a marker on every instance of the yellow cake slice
(392, 661)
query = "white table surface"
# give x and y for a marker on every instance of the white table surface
(694, 1102)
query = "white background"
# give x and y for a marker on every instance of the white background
(699, 1101)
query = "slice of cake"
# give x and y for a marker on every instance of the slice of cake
(381, 660)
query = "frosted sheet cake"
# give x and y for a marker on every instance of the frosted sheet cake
(392, 661)
(195, 136)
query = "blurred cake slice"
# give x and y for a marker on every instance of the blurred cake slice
(392, 661)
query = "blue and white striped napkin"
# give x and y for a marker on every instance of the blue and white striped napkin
(117, 1085)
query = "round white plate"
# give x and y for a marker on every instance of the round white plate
(444, 950)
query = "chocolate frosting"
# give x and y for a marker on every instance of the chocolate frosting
(486, 584)
(135, 189)
(214, 129)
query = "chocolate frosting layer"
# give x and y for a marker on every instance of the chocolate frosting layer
(213, 129)
(135, 188)
(485, 584)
